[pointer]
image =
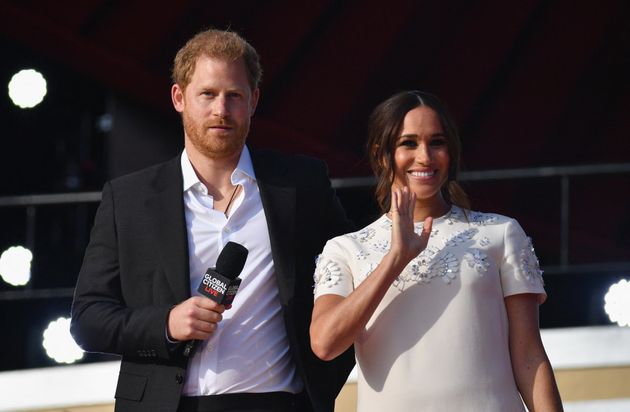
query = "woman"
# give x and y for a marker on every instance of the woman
(440, 302)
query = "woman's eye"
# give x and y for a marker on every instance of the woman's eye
(408, 143)
(438, 142)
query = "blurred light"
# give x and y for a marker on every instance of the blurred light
(59, 344)
(15, 265)
(27, 88)
(618, 303)
(105, 123)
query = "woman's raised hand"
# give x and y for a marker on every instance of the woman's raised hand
(406, 243)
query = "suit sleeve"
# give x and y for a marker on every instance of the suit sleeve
(102, 321)
(336, 223)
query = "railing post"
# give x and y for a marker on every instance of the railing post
(31, 217)
(564, 221)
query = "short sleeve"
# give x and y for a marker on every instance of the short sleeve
(332, 271)
(520, 270)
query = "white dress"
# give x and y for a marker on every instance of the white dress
(438, 341)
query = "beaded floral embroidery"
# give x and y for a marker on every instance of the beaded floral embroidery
(363, 235)
(460, 237)
(362, 255)
(528, 262)
(477, 260)
(481, 219)
(327, 272)
(381, 246)
(438, 261)
(431, 263)
(452, 216)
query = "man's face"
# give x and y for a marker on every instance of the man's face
(216, 107)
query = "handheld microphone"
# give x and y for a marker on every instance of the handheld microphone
(221, 283)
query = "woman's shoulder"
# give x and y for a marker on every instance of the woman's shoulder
(478, 218)
(372, 231)
(495, 226)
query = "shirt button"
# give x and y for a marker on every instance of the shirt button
(179, 378)
(227, 229)
(209, 348)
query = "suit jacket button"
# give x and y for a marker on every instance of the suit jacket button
(179, 378)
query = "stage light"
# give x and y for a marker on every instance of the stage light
(617, 304)
(59, 344)
(15, 265)
(27, 88)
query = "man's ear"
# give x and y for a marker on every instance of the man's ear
(177, 97)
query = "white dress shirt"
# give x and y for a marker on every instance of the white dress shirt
(249, 351)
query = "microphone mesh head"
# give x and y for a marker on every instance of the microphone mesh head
(231, 260)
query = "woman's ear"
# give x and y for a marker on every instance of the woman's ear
(380, 157)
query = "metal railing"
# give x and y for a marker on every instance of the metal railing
(31, 202)
(562, 172)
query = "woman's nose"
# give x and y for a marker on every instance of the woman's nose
(423, 154)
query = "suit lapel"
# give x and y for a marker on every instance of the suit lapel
(167, 210)
(278, 196)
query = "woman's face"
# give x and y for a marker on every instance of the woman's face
(421, 156)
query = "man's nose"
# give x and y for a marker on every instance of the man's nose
(220, 106)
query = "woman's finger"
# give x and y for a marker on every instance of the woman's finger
(402, 201)
(394, 206)
(412, 205)
(426, 230)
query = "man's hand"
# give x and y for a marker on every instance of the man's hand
(195, 318)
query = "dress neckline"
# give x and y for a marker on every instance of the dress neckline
(453, 212)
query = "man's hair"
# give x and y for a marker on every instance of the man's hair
(225, 45)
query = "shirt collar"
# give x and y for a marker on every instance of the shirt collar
(244, 169)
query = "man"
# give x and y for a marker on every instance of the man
(158, 230)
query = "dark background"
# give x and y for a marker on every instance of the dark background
(531, 83)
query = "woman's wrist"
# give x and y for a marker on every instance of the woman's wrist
(395, 262)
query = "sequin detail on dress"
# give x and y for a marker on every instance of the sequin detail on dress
(459, 237)
(446, 266)
(381, 246)
(364, 235)
(327, 273)
(431, 263)
(481, 219)
(477, 260)
(528, 262)
(451, 217)
(362, 255)
(454, 250)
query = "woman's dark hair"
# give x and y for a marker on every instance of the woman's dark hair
(384, 130)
